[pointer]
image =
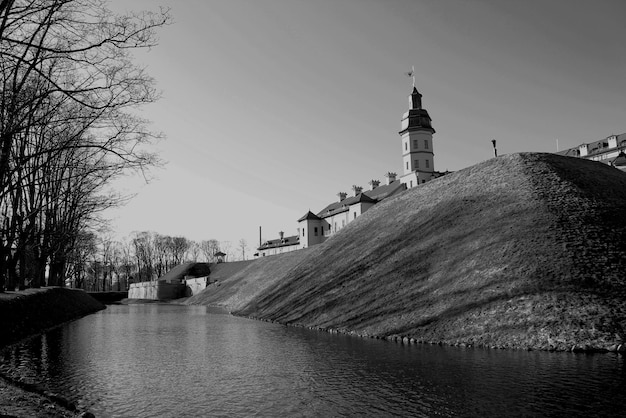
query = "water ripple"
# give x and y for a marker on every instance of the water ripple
(171, 361)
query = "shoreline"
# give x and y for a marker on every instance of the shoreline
(21, 399)
(408, 340)
(27, 314)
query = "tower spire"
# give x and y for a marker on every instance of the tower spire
(417, 142)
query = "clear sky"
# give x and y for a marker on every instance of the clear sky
(272, 107)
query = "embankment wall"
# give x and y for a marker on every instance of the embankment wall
(196, 285)
(159, 290)
(33, 311)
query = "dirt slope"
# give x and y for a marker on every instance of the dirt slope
(526, 250)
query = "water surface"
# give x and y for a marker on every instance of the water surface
(166, 360)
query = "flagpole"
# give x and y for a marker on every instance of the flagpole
(413, 74)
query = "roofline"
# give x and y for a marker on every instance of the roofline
(417, 129)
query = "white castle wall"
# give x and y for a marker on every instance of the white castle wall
(196, 285)
(160, 290)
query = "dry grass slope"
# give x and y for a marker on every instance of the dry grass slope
(235, 284)
(523, 251)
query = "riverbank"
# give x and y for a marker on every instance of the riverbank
(27, 313)
(17, 402)
(32, 311)
(110, 297)
(524, 251)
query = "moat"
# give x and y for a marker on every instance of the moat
(166, 360)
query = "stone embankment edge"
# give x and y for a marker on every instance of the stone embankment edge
(406, 340)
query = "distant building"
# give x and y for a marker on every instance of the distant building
(418, 163)
(316, 228)
(278, 246)
(610, 150)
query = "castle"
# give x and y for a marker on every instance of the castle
(609, 150)
(419, 167)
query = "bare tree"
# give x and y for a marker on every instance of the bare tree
(143, 244)
(194, 251)
(209, 248)
(84, 249)
(243, 246)
(67, 90)
(179, 247)
(226, 248)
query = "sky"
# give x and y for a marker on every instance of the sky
(272, 107)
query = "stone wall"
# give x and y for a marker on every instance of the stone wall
(159, 290)
(196, 285)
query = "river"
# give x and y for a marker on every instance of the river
(170, 361)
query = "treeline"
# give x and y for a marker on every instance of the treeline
(68, 88)
(102, 264)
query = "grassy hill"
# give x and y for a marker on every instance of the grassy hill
(524, 251)
(235, 284)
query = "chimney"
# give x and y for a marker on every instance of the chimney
(357, 190)
(342, 195)
(281, 234)
(374, 184)
(391, 177)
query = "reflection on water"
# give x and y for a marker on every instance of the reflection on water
(163, 360)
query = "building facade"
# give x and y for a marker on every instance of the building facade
(278, 246)
(418, 163)
(610, 150)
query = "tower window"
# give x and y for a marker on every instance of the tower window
(415, 143)
(426, 143)
(315, 231)
(407, 165)
(427, 164)
(417, 163)
(406, 146)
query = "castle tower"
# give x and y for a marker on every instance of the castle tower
(418, 162)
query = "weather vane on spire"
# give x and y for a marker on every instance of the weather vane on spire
(412, 74)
